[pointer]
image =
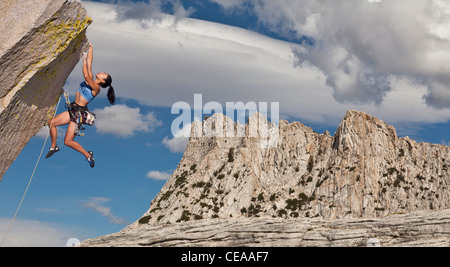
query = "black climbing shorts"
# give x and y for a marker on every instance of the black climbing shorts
(76, 112)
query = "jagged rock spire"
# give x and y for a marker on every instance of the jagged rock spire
(364, 171)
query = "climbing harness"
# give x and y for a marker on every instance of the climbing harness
(31, 178)
(80, 114)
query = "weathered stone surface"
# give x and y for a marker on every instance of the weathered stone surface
(42, 41)
(427, 229)
(309, 189)
(364, 171)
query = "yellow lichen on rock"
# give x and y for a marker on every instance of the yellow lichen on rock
(60, 33)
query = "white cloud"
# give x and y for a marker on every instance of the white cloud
(142, 11)
(363, 62)
(123, 121)
(44, 132)
(361, 44)
(180, 140)
(97, 204)
(139, 10)
(176, 144)
(158, 175)
(229, 5)
(161, 64)
(27, 233)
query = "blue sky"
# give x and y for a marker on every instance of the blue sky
(316, 59)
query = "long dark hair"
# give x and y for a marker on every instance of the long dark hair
(111, 94)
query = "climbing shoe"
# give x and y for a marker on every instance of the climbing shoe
(91, 159)
(52, 151)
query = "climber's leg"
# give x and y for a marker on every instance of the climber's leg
(61, 119)
(69, 140)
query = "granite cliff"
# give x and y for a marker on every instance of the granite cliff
(364, 175)
(42, 41)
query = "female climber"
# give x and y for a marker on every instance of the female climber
(87, 91)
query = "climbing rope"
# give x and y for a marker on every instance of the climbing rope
(31, 178)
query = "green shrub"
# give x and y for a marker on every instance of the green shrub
(282, 212)
(145, 219)
(193, 167)
(185, 216)
(231, 155)
(261, 197)
(310, 163)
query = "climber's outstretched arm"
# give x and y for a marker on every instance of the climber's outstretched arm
(87, 71)
(87, 64)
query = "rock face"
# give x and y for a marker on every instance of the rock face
(42, 41)
(363, 174)
(364, 171)
(425, 229)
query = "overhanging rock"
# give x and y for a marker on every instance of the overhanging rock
(42, 41)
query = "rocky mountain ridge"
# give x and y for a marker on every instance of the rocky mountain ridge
(364, 171)
(418, 229)
(309, 189)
